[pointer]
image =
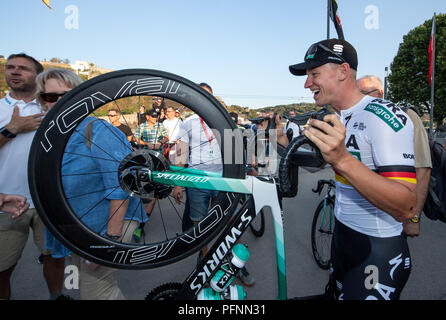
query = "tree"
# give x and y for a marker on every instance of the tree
(409, 78)
(55, 60)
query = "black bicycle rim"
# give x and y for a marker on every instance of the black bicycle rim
(44, 168)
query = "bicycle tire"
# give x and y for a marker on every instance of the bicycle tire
(322, 258)
(258, 230)
(47, 151)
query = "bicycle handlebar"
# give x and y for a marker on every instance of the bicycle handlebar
(302, 119)
(321, 183)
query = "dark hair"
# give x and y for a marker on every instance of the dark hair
(37, 64)
(115, 109)
(154, 113)
(234, 116)
(205, 85)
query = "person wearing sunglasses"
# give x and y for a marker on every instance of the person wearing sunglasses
(113, 212)
(53, 84)
(369, 144)
(20, 116)
(373, 86)
(114, 116)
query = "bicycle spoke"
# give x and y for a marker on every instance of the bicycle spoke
(97, 203)
(92, 192)
(162, 219)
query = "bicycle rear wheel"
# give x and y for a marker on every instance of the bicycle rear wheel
(50, 146)
(322, 232)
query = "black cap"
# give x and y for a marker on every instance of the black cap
(325, 51)
(154, 113)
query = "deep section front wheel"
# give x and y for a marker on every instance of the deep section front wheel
(55, 201)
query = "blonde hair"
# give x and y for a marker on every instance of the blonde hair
(69, 78)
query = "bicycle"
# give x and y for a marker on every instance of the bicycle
(323, 224)
(146, 173)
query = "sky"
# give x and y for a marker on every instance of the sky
(242, 48)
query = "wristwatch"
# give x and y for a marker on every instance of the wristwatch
(6, 133)
(415, 219)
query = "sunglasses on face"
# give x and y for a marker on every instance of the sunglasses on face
(51, 96)
(314, 48)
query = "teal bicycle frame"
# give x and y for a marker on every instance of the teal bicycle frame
(258, 187)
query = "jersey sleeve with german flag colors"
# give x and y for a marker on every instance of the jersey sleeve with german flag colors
(392, 142)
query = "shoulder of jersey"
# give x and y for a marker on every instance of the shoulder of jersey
(386, 114)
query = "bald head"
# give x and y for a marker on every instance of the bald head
(371, 86)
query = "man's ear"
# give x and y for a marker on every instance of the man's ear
(343, 71)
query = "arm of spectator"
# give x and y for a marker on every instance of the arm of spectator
(13, 204)
(117, 212)
(180, 159)
(281, 137)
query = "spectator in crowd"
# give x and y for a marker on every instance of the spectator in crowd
(114, 212)
(162, 116)
(172, 124)
(234, 116)
(158, 103)
(52, 84)
(20, 116)
(13, 204)
(151, 135)
(372, 86)
(96, 282)
(196, 136)
(141, 115)
(295, 129)
(114, 116)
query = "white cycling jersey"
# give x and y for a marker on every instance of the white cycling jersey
(380, 135)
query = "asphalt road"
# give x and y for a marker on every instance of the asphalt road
(427, 280)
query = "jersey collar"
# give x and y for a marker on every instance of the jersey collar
(363, 102)
(12, 102)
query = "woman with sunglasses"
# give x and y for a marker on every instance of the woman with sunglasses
(114, 214)
(52, 84)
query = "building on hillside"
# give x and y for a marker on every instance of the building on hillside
(87, 68)
(81, 67)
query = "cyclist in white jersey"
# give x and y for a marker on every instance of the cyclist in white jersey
(369, 143)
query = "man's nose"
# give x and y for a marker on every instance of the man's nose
(307, 83)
